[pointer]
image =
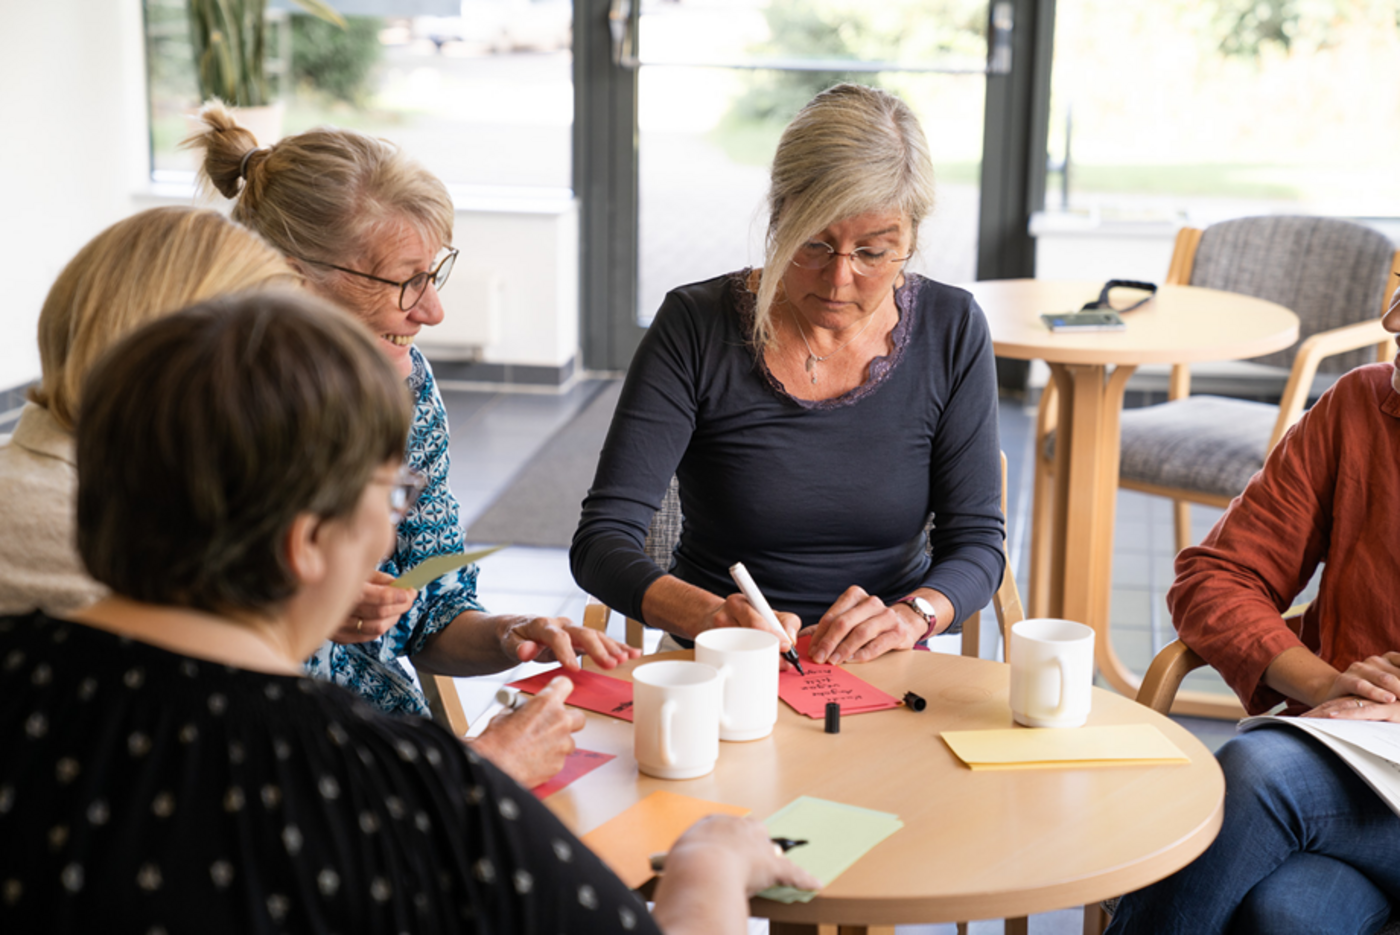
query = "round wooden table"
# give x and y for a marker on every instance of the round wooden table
(1181, 324)
(975, 845)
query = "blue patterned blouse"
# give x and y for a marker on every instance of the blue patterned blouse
(432, 527)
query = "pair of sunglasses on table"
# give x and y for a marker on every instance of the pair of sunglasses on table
(1102, 314)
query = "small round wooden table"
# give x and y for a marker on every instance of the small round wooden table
(1181, 324)
(975, 845)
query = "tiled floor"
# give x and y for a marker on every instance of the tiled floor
(496, 434)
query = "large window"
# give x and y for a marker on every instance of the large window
(482, 99)
(728, 75)
(1236, 107)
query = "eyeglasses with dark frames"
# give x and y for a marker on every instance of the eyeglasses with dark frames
(404, 491)
(864, 260)
(411, 289)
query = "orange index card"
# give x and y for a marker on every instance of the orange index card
(808, 694)
(626, 842)
(1044, 747)
(592, 692)
(579, 763)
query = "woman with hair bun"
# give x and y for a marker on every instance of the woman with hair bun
(141, 268)
(814, 413)
(370, 229)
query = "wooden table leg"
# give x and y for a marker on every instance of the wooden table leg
(1085, 501)
(1086, 492)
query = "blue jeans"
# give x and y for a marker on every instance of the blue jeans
(1305, 847)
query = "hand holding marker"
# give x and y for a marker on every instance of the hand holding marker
(745, 581)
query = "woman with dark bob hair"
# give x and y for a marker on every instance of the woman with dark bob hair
(168, 765)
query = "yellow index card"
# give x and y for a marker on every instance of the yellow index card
(626, 841)
(1041, 748)
(431, 569)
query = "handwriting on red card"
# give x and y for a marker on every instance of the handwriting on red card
(592, 692)
(808, 694)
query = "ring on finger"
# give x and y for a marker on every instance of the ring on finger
(359, 624)
(1360, 703)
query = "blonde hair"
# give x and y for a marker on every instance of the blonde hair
(141, 268)
(851, 150)
(323, 195)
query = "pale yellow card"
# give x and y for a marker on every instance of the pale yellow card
(1038, 748)
(431, 569)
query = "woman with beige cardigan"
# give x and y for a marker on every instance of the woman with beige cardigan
(141, 268)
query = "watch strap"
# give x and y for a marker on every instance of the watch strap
(929, 617)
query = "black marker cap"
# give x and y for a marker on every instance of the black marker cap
(833, 717)
(914, 702)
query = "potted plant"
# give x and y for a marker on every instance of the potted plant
(230, 49)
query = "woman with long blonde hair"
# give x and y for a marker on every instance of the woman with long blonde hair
(815, 413)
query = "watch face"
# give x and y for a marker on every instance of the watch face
(922, 606)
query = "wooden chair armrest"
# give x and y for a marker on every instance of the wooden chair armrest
(440, 691)
(1312, 352)
(596, 614)
(1163, 678)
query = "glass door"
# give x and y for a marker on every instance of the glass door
(719, 79)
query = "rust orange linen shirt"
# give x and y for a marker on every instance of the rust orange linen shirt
(1329, 493)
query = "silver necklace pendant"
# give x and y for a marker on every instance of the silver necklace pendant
(812, 366)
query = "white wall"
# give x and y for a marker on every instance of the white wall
(72, 148)
(74, 158)
(513, 296)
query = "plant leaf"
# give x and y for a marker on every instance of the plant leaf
(321, 10)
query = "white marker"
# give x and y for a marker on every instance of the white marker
(746, 584)
(510, 698)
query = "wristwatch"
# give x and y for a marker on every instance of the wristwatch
(925, 610)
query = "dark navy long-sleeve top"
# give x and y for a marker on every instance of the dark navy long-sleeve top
(812, 496)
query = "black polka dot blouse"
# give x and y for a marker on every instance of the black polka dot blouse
(148, 792)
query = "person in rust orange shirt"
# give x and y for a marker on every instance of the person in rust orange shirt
(1306, 845)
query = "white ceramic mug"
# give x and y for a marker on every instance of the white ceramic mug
(1052, 672)
(747, 661)
(675, 718)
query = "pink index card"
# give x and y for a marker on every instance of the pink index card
(808, 694)
(579, 763)
(592, 692)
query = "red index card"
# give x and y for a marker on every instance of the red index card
(592, 692)
(579, 763)
(808, 694)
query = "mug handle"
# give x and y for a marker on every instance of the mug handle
(724, 673)
(1064, 695)
(665, 729)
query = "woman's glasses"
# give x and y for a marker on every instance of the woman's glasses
(412, 288)
(864, 260)
(404, 492)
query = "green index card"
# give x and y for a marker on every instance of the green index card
(431, 569)
(837, 836)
